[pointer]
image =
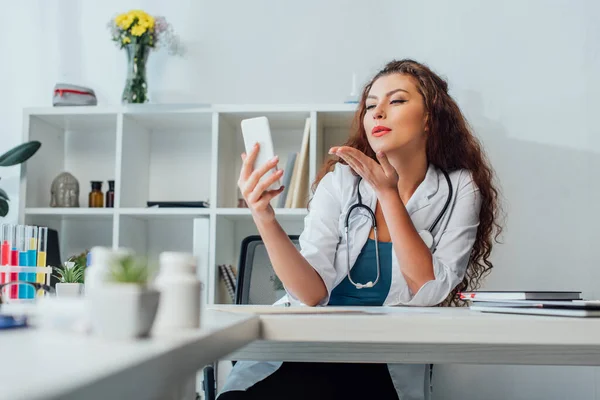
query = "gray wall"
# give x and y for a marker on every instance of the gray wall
(524, 72)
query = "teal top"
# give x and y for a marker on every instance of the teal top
(363, 271)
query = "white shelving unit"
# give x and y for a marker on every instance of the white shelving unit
(164, 153)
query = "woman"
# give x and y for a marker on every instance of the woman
(412, 160)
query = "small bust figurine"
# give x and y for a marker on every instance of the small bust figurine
(64, 191)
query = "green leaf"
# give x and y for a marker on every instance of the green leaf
(19, 154)
(3, 208)
(3, 195)
(74, 274)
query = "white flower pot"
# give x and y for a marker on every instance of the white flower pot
(123, 310)
(69, 289)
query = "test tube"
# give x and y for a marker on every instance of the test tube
(10, 257)
(41, 252)
(22, 249)
(3, 250)
(31, 234)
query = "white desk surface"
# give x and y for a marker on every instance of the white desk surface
(50, 365)
(419, 335)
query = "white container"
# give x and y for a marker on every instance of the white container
(69, 289)
(96, 272)
(179, 288)
(123, 311)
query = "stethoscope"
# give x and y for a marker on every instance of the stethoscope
(426, 235)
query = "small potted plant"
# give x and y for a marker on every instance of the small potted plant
(71, 276)
(124, 307)
(70, 279)
(278, 286)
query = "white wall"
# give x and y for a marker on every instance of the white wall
(524, 72)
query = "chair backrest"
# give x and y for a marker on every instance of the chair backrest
(256, 280)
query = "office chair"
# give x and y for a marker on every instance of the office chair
(256, 284)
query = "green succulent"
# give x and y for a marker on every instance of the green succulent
(70, 273)
(14, 156)
(130, 269)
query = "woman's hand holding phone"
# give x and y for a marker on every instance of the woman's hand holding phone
(256, 192)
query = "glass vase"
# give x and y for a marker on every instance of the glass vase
(136, 88)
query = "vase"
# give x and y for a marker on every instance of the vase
(136, 87)
(123, 311)
(69, 289)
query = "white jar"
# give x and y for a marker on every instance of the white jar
(96, 273)
(179, 306)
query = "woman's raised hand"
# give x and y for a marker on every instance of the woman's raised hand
(256, 193)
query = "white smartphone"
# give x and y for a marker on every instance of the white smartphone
(257, 130)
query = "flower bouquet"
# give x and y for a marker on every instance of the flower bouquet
(138, 32)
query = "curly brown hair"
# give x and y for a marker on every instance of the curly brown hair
(450, 146)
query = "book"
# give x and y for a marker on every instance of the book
(570, 304)
(519, 295)
(561, 312)
(229, 283)
(287, 179)
(290, 194)
(178, 204)
(300, 193)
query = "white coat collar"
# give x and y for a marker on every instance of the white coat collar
(420, 198)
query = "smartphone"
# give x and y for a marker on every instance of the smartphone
(257, 130)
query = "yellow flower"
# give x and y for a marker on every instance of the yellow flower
(126, 40)
(137, 20)
(138, 30)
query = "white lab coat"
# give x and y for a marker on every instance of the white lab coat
(324, 246)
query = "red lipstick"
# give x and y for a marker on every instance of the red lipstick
(380, 130)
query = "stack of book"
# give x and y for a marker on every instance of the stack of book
(557, 303)
(229, 279)
(295, 176)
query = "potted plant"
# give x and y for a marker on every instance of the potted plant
(278, 286)
(70, 277)
(15, 156)
(124, 306)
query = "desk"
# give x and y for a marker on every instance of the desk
(52, 365)
(423, 335)
(67, 366)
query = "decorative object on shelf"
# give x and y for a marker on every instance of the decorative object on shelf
(110, 194)
(124, 306)
(14, 156)
(138, 32)
(96, 197)
(353, 96)
(70, 278)
(73, 95)
(64, 191)
(179, 306)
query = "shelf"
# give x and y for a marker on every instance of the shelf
(336, 119)
(166, 152)
(278, 120)
(92, 122)
(170, 213)
(282, 214)
(165, 165)
(70, 212)
(173, 120)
